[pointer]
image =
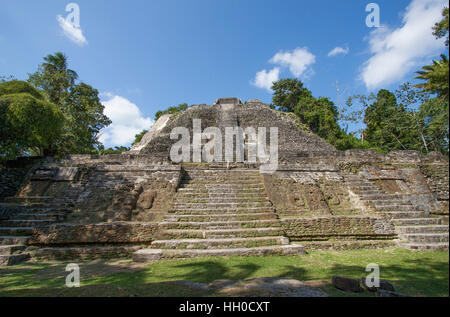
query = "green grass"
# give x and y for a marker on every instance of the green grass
(413, 273)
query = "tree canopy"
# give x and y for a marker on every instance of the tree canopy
(320, 114)
(79, 103)
(28, 122)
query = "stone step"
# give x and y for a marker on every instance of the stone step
(191, 200)
(13, 240)
(416, 221)
(230, 195)
(406, 214)
(220, 179)
(222, 217)
(220, 224)
(360, 184)
(14, 208)
(335, 245)
(149, 255)
(182, 206)
(13, 259)
(386, 202)
(381, 196)
(192, 211)
(37, 216)
(25, 223)
(225, 190)
(85, 253)
(222, 187)
(366, 192)
(204, 177)
(221, 172)
(11, 249)
(424, 237)
(15, 231)
(220, 243)
(36, 201)
(29, 198)
(397, 208)
(425, 246)
(422, 229)
(220, 233)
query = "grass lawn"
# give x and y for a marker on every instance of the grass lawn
(412, 273)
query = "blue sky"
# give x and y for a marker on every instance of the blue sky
(144, 56)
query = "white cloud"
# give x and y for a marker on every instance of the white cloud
(398, 52)
(75, 34)
(264, 79)
(338, 50)
(297, 60)
(127, 121)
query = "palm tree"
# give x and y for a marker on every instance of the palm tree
(436, 77)
(55, 77)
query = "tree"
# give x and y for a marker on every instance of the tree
(287, 93)
(384, 119)
(320, 114)
(440, 29)
(115, 150)
(28, 123)
(85, 119)
(435, 117)
(54, 77)
(139, 137)
(436, 77)
(79, 102)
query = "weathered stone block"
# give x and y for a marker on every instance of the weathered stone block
(346, 284)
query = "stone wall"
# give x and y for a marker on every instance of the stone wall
(105, 189)
(310, 190)
(13, 174)
(101, 233)
(338, 227)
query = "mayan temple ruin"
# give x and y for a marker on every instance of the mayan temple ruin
(144, 206)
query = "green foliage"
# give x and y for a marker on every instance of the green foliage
(115, 150)
(85, 119)
(19, 87)
(80, 104)
(287, 93)
(139, 137)
(28, 123)
(54, 77)
(171, 110)
(436, 77)
(441, 28)
(4, 79)
(318, 114)
(435, 117)
(410, 119)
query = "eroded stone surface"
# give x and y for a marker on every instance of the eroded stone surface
(259, 287)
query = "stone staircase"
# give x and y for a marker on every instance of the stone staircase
(220, 212)
(416, 228)
(23, 215)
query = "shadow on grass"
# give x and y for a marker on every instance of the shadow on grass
(417, 277)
